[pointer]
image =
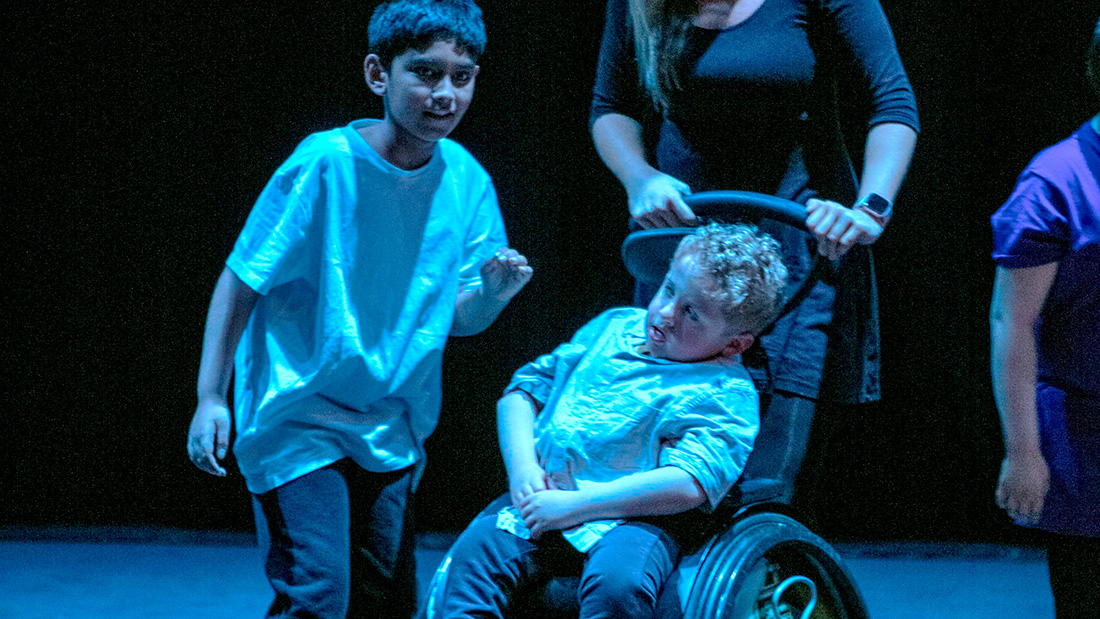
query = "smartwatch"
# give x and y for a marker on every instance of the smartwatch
(877, 207)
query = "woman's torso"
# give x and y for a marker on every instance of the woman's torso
(740, 120)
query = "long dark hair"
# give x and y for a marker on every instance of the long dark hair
(660, 30)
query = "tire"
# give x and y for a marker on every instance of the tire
(746, 562)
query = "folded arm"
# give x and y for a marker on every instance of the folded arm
(516, 413)
(663, 491)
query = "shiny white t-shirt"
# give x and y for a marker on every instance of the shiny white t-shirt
(359, 264)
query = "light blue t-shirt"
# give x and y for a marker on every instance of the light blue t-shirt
(610, 411)
(360, 264)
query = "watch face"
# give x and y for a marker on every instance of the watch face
(876, 203)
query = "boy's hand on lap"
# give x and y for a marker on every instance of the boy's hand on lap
(505, 273)
(551, 510)
(527, 482)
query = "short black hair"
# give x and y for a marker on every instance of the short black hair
(400, 25)
(1092, 65)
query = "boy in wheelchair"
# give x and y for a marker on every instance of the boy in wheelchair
(643, 413)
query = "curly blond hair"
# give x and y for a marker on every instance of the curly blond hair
(746, 270)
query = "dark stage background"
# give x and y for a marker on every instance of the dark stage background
(138, 134)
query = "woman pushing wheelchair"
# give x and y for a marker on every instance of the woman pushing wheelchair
(702, 95)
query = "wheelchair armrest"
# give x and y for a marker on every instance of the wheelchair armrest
(757, 490)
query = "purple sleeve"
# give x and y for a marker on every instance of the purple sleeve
(617, 88)
(1031, 228)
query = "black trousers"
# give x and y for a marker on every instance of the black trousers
(1074, 564)
(621, 575)
(338, 542)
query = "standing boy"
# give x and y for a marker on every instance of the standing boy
(370, 245)
(643, 413)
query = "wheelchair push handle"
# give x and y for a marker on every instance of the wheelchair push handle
(730, 206)
(646, 252)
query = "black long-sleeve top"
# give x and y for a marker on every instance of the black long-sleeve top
(757, 110)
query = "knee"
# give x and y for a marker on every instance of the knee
(487, 560)
(480, 544)
(486, 566)
(308, 579)
(617, 594)
(626, 570)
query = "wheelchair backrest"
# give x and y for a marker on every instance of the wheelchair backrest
(773, 465)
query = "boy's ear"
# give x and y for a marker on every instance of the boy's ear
(738, 344)
(376, 75)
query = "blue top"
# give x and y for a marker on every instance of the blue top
(360, 264)
(1053, 215)
(610, 410)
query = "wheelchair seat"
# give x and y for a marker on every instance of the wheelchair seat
(751, 559)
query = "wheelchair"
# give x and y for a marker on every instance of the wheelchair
(753, 559)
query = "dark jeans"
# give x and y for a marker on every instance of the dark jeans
(1074, 564)
(338, 543)
(621, 576)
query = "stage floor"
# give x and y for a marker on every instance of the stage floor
(159, 574)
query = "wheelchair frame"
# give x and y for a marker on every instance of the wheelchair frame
(765, 564)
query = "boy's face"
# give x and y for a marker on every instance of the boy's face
(684, 323)
(425, 93)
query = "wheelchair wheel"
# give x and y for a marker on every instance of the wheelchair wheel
(769, 566)
(433, 596)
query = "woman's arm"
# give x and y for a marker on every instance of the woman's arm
(866, 39)
(887, 154)
(618, 102)
(1018, 298)
(618, 140)
(654, 199)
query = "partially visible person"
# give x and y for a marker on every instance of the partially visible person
(719, 95)
(370, 245)
(643, 413)
(1045, 331)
